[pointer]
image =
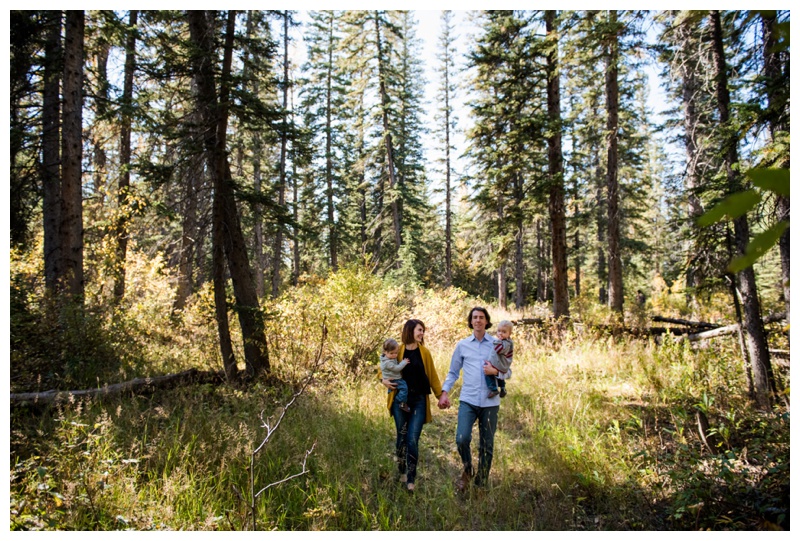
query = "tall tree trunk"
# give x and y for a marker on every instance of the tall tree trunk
(777, 89)
(125, 157)
(230, 232)
(519, 261)
(387, 138)
(295, 206)
(612, 126)
(690, 86)
(753, 325)
(71, 230)
(502, 287)
(277, 245)
(448, 218)
(362, 191)
(558, 219)
(99, 157)
(602, 227)
(519, 267)
(448, 228)
(332, 237)
(251, 320)
(577, 248)
(258, 215)
(540, 261)
(51, 156)
(200, 32)
(189, 232)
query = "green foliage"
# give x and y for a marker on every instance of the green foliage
(731, 207)
(740, 203)
(66, 346)
(358, 308)
(596, 433)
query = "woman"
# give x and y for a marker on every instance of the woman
(421, 377)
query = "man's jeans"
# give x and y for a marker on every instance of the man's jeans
(409, 428)
(487, 425)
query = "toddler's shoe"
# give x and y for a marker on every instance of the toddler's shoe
(492, 394)
(404, 407)
(503, 392)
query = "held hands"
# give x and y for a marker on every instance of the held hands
(489, 370)
(444, 401)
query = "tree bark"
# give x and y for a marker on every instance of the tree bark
(600, 217)
(448, 228)
(51, 156)
(71, 230)
(332, 237)
(755, 337)
(277, 245)
(200, 32)
(258, 216)
(612, 126)
(690, 85)
(192, 180)
(250, 318)
(556, 173)
(228, 226)
(125, 157)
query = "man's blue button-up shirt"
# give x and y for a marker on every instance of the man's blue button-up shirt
(468, 357)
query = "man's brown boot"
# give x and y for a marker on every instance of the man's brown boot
(462, 483)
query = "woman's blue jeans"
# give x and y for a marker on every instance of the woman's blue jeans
(487, 425)
(409, 427)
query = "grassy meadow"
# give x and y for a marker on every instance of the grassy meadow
(597, 432)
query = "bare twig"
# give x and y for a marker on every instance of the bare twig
(304, 470)
(273, 426)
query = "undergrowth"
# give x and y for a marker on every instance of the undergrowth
(596, 433)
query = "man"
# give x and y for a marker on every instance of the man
(472, 356)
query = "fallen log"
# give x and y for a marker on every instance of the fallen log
(705, 335)
(138, 384)
(532, 321)
(701, 324)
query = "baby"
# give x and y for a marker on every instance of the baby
(391, 370)
(502, 358)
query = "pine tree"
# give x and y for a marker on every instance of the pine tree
(555, 172)
(446, 125)
(125, 154)
(506, 143)
(212, 107)
(746, 280)
(324, 94)
(51, 156)
(71, 223)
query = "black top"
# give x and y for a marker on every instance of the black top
(414, 373)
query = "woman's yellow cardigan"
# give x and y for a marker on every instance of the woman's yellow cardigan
(433, 379)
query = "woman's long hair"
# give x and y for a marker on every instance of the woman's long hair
(408, 331)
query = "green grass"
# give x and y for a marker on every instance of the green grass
(594, 434)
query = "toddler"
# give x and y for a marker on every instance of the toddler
(502, 358)
(391, 370)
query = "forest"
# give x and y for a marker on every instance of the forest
(218, 217)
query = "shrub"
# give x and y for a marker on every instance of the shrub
(358, 308)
